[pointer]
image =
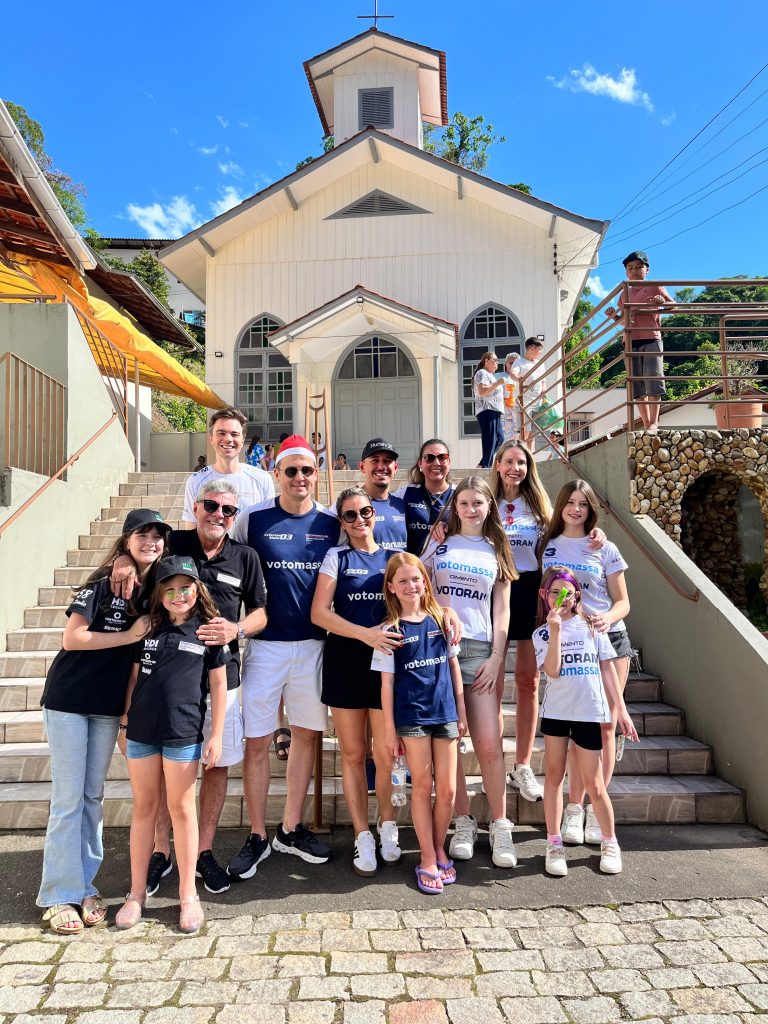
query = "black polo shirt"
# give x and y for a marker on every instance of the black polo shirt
(234, 578)
(168, 702)
(93, 682)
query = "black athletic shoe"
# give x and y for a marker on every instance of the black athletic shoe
(159, 867)
(255, 850)
(215, 878)
(301, 843)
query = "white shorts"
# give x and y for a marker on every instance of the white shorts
(232, 736)
(275, 670)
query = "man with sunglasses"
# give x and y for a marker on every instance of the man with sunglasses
(378, 464)
(291, 534)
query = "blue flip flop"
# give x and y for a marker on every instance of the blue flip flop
(429, 890)
(446, 867)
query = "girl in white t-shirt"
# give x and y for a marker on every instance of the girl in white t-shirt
(471, 572)
(580, 697)
(601, 578)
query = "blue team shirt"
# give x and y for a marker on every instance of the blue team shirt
(291, 549)
(390, 531)
(359, 576)
(423, 691)
(422, 510)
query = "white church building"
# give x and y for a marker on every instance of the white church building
(379, 271)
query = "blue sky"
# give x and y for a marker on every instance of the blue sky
(169, 115)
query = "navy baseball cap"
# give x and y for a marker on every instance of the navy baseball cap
(176, 565)
(144, 517)
(379, 444)
(639, 255)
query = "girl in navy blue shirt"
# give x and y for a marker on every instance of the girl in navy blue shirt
(423, 703)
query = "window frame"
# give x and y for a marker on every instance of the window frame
(262, 423)
(468, 426)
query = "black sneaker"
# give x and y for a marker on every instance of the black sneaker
(254, 851)
(215, 878)
(159, 867)
(301, 843)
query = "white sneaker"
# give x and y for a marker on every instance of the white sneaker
(523, 779)
(463, 839)
(554, 862)
(572, 829)
(502, 847)
(388, 841)
(364, 862)
(592, 833)
(610, 858)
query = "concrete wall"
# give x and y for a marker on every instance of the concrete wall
(176, 452)
(50, 338)
(713, 661)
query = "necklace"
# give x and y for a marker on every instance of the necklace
(509, 519)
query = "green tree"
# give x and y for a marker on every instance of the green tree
(583, 365)
(521, 187)
(69, 193)
(464, 140)
(327, 145)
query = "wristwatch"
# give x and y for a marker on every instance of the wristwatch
(241, 633)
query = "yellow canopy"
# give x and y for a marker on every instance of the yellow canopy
(103, 327)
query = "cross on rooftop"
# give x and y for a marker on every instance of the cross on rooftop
(375, 16)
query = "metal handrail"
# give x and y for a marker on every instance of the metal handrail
(33, 419)
(70, 461)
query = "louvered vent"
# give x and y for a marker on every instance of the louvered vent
(376, 107)
(376, 204)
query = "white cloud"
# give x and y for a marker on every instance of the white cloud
(174, 131)
(228, 198)
(207, 150)
(230, 167)
(623, 88)
(243, 124)
(668, 119)
(222, 121)
(171, 220)
(596, 287)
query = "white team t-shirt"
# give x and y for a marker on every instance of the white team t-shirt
(463, 571)
(591, 569)
(252, 484)
(533, 385)
(523, 532)
(577, 694)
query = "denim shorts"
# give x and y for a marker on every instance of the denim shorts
(135, 750)
(445, 731)
(620, 642)
(472, 654)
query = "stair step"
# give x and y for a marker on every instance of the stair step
(640, 687)
(48, 597)
(42, 617)
(156, 501)
(25, 664)
(19, 694)
(111, 525)
(651, 718)
(71, 577)
(37, 639)
(88, 558)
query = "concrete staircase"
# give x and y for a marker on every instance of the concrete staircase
(667, 777)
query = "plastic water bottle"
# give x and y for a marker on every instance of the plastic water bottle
(399, 770)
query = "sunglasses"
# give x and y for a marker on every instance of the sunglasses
(442, 457)
(554, 594)
(214, 506)
(365, 513)
(172, 592)
(292, 471)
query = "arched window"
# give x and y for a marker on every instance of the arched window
(489, 329)
(374, 358)
(263, 381)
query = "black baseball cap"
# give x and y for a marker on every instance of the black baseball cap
(379, 444)
(638, 254)
(144, 517)
(176, 565)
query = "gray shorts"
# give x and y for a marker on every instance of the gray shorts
(472, 654)
(445, 731)
(648, 365)
(620, 642)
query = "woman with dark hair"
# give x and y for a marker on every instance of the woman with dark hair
(255, 452)
(489, 406)
(427, 495)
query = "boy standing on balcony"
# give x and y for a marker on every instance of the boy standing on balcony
(647, 364)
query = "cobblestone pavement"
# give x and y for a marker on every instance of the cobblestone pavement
(693, 961)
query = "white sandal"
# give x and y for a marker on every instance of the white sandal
(197, 922)
(129, 914)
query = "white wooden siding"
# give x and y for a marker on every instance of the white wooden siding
(377, 70)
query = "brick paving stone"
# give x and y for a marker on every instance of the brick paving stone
(686, 954)
(673, 977)
(250, 968)
(681, 928)
(241, 945)
(713, 975)
(466, 919)
(739, 906)
(48, 1018)
(297, 941)
(542, 938)
(470, 1011)
(109, 1017)
(21, 998)
(252, 1013)
(191, 948)
(538, 1010)
(517, 960)
(422, 918)
(208, 993)
(142, 970)
(298, 965)
(20, 932)
(619, 980)
(27, 974)
(81, 972)
(324, 988)
(328, 919)
(201, 970)
(179, 1015)
(138, 951)
(599, 934)
(512, 918)
(504, 983)
(558, 959)
(375, 919)
(760, 971)
(438, 988)
(757, 995)
(599, 915)
(647, 1004)
(369, 1012)
(404, 940)
(358, 963)
(143, 993)
(442, 938)
(346, 939)
(710, 1000)
(231, 926)
(489, 938)
(733, 926)
(597, 1010)
(29, 953)
(556, 917)
(641, 932)
(745, 949)
(311, 1013)
(377, 986)
(426, 1011)
(268, 923)
(709, 1018)
(761, 920)
(82, 952)
(79, 995)
(269, 990)
(632, 955)
(690, 908)
(562, 983)
(635, 912)
(438, 963)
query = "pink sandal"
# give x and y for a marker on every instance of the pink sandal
(193, 923)
(129, 914)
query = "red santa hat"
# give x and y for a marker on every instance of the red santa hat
(295, 445)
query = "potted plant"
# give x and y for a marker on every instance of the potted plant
(744, 406)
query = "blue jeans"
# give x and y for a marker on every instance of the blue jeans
(491, 435)
(81, 748)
